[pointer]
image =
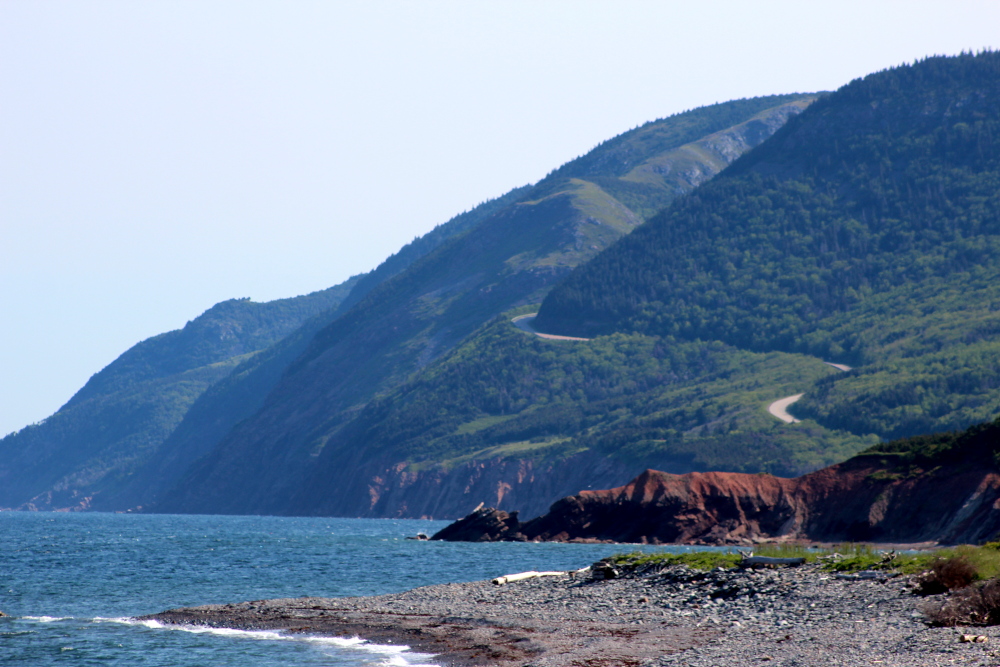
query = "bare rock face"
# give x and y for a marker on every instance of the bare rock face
(852, 501)
(660, 508)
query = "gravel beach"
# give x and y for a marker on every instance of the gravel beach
(677, 616)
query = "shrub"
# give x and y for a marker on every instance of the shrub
(972, 605)
(947, 574)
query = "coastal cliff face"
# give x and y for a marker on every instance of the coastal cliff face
(857, 501)
(841, 503)
(383, 489)
(943, 488)
(657, 507)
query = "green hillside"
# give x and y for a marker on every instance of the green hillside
(865, 231)
(420, 246)
(511, 258)
(978, 445)
(646, 400)
(241, 392)
(119, 419)
(138, 424)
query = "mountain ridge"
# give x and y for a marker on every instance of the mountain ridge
(410, 320)
(123, 414)
(771, 258)
(819, 240)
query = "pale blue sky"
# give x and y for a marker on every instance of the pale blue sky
(159, 157)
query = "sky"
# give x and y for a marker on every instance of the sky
(159, 157)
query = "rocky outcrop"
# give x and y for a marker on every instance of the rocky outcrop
(483, 525)
(660, 508)
(507, 484)
(388, 488)
(859, 500)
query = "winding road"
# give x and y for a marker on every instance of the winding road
(523, 322)
(778, 409)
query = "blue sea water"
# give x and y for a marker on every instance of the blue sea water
(71, 582)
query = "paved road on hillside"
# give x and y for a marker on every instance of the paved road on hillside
(779, 408)
(523, 322)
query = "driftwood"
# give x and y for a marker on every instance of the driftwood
(865, 574)
(507, 578)
(757, 561)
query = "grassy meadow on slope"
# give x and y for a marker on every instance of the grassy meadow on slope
(866, 231)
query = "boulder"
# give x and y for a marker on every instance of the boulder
(486, 524)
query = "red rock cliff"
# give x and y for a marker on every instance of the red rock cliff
(942, 487)
(853, 501)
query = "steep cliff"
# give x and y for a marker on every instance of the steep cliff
(943, 488)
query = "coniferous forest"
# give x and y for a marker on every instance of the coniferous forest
(866, 231)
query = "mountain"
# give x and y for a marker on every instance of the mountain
(849, 261)
(866, 231)
(242, 391)
(513, 420)
(941, 488)
(118, 420)
(410, 321)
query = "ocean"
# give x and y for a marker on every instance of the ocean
(70, 583)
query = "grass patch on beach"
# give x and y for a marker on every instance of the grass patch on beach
(696, 560)
(985, 560)
(842, 558)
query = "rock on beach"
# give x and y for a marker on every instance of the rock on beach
(675, 616)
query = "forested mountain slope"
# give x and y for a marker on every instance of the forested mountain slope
(138, 424)
(511, 258)
(118, 420)
(519, 420)
(865, 231)
(242, 391)
(420, 246)
(694, 399)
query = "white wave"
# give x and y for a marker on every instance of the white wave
(341, 642)
(46, 619)
(401, 661)
(399, 655)
(198, 629)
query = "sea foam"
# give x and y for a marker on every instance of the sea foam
(397, 656)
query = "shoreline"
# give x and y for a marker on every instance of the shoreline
(676, 616)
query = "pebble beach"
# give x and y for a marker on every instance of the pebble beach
(676, 616)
